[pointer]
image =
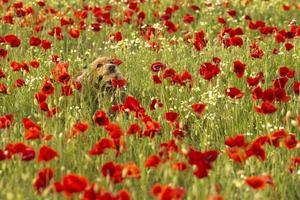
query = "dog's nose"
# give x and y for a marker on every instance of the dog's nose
(111, 68)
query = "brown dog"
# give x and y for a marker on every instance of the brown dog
(99, 75)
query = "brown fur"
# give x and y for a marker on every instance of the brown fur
(99, 76)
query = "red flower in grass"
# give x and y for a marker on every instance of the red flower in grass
(188, 18)
(134, 129)
(100, 147)
(236, 141)
(64, 77)
(209, 71)
(26, 152)
(100, 118)
(259, 182)
(80, 127)
(234, 93)
(152, 161)
(43, 179)
(296, 87)
(3, 53)
(266, 108)
(203, 161)
(132, 104)
(200, 42)
(6, 121)
(40, 97)
(33, 133)
(73, 183)
(12, 40)
(158, 66)
(198, 108)
(286, 72)
(34, 64)
(291, 141)
(156, 79)
(66, 90)
(2, 74)
(239, 68)
(46, 154)
(114, 171)
(155, 103)
(288, 46)
(118, 83)
(19, 83)
(74, 33)
(171, 116)
(48, 88)
(46, 44)
(114, 130)
(35, 41)
(3, 89)
(167, 192)
(117, 36)
(295, 162)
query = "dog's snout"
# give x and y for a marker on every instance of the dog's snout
(112, 68)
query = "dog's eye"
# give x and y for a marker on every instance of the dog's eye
(99, 65)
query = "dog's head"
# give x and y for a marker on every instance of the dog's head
(103, 68)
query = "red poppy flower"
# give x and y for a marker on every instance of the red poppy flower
(234, 93)
(209, 71)
(16, 66)
(66, 90)
(168, 192)
(100, 147)
(46, 44)
(46, 154)
(19, 83)
(169, 73)
(73, 183)
(134, 129)
(114, 130)
(3, 53)
(80, 127)
(155, 103)
(33, 133)
(288, 46)
(74, 33)
(114, 171)
(6, 121)
(256, 51)
(47, 88)
(35, 41)
(40, 97)
(296, 87)
(100, 118)
(259, 182)
(171, 116)
(200, 41)
(198, 108)
(43, 179)
(64, 77)
(152, 161)
(12, 40)
(2, 74)
(232, 12)
(34, 64)
(118, 83)
(291, 141)
(295, 161)
(156, 79)
(188, 18)
(117, 36)
(3, 89)
(171, 27)
(236, 141)
(266, 108)
(286, 72)
(158, 66)
(132, 104)
(239, 68)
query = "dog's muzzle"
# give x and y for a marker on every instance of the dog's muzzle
(111, 69)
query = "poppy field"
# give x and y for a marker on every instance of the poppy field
(212, 106)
